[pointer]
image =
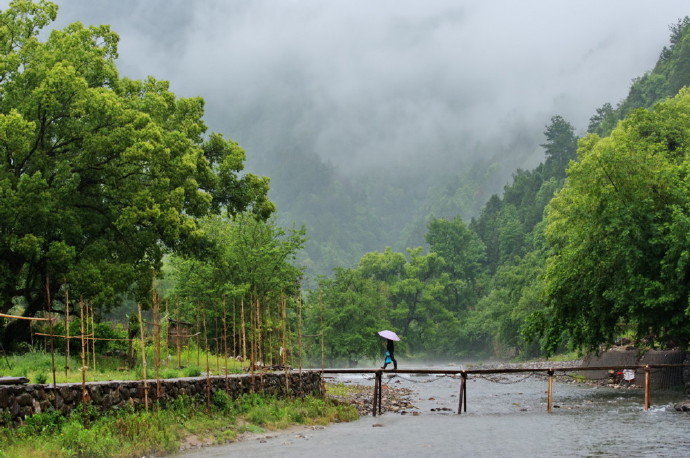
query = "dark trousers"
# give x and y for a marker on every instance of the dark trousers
(395, 363)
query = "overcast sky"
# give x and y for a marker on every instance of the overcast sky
(375, 83)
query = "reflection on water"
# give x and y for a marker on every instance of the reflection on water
(502, 419)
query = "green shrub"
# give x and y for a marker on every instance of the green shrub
(41, 423)
(192, 371)
(130, 432)
(81, 441)
(222, 400)
(41, 378)
(170, 373)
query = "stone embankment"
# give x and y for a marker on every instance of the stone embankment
(661, 378)
(393, 399)
(19, 401)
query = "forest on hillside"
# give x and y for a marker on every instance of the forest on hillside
(115, 196)
(588, 247)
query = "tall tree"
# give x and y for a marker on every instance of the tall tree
(464, 255)
(99, 175)
(619, 235)
(560, 146)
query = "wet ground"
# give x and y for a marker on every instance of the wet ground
(505, 417)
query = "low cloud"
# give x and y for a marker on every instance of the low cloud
(374, 84)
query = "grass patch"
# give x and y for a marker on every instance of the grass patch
(135, 433)
(344, 390)
(569, 356)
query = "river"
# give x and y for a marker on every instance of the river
(502, 419)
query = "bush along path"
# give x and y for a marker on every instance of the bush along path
(183, 423)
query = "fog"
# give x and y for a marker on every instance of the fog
(371, 84)
(372, 117)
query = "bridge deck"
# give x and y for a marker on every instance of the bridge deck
(462, 404)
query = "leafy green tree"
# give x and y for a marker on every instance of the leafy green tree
(352, 309)
(669, 75)
(618, 232)
(560, 146)
(464, 255)
(250, 267)
(99, 175)
(603, 121)
(417, 309)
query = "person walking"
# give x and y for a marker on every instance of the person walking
(390, 337)
(390, 355)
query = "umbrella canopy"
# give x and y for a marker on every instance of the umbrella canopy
(390, 335)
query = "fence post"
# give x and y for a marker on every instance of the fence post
(647, 388)
(143, 359)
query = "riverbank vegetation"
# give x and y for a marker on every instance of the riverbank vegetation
(164, 430)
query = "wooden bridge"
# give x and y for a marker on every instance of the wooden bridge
(465, 373)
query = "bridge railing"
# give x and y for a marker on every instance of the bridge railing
(464, 373)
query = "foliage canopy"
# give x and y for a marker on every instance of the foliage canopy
(99, 174)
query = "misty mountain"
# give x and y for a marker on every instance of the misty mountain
(369, 120)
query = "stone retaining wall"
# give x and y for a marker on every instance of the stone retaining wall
(19, 401)
(660, 378)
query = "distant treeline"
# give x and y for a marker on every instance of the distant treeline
(589, 246)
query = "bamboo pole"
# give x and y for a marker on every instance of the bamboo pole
(218, 344)
(25, 318)
(252, 342)
(259, 333)
(322, 342)
(225, 348)
(178, 335)
(50, 326)
(647, 388)
(67, 331)
(299, 337)
(143, 359)
(549, 393)
(166, 348)
(234, 330)
(156, 340)
(284, 346)
(208, 368)
(84, 395)
(252, 336)
(93, 331)
(198, 342)
(243, 331)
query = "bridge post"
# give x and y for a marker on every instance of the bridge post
(379, 376)
(647, 388)
(549, 391)
(464, 394)
(376, 394)
(462, 401)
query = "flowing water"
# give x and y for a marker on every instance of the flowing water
(502, 419)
